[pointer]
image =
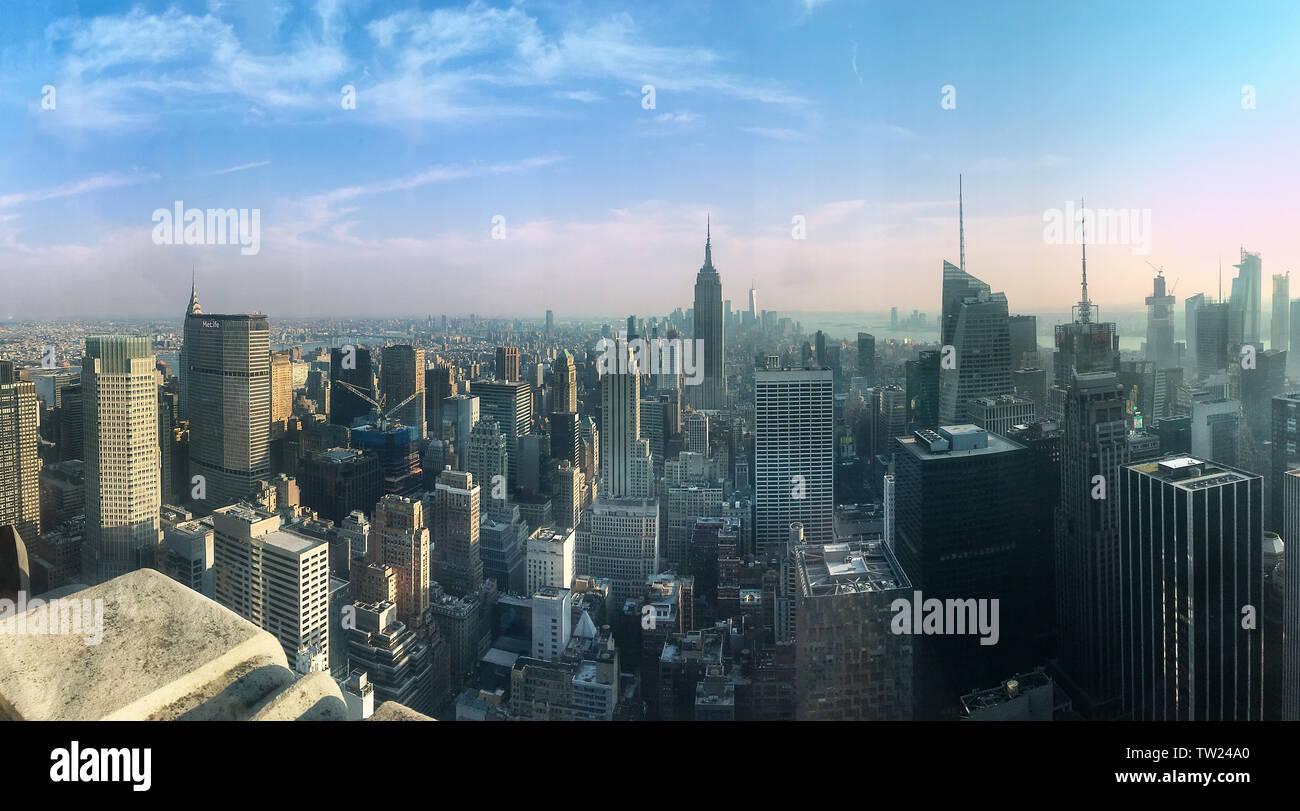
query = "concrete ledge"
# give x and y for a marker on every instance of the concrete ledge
(315, 697)
(392, 711)
(166, 652)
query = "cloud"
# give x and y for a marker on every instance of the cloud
(90, 184)
(239, 168)
(584, 96)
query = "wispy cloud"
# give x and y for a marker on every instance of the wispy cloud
(239, 168)
(90, 184)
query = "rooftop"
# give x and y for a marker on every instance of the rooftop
(849, 568)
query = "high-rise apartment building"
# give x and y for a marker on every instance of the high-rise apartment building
(120, 434)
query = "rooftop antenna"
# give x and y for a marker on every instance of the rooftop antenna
(1085, 307)
(961, 225)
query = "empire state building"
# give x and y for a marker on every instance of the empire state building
(711, 393)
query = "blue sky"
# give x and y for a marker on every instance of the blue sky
(764, 111)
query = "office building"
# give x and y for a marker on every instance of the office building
(276, 579)
(711, 393)
(849, 664)
(402, 376)
(1185, 576)
(457, 563)
(794, 455)
(20, 468)
(226, 371)
(120, 432)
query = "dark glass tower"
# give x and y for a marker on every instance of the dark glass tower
(1191, 559)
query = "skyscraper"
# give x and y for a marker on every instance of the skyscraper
(1185, 574)
(1094, 448)
(1160, 325)
(794, 455)
(618, 539)
(120, 413)
(1244, 303)
(401, 374)
(564, 382)
(1191, 307)
(961, 507)
(867, 358)
(981, 365)
(20, 468)
(457, 564)
(511, 405)
(1084, 345)
(352, 365)
(1280, 323)
(227, 372)
(620, 427)
(399, 538)
(711, 393)
(850, 666)
(507, 363)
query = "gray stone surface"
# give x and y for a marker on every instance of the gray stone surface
(392, 711)
(166, 652)
(314, 697)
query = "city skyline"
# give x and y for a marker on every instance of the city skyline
(535, 115)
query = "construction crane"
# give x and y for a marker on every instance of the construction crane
(1160, 271)
(384, 417)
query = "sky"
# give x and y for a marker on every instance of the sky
(505, 159)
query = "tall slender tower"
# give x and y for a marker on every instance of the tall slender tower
(711, 393)
(120, 434)
(620, 408)
(20, 468)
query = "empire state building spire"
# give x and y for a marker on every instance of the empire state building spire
(708, 243)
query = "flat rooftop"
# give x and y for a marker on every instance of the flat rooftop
(852, 567)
